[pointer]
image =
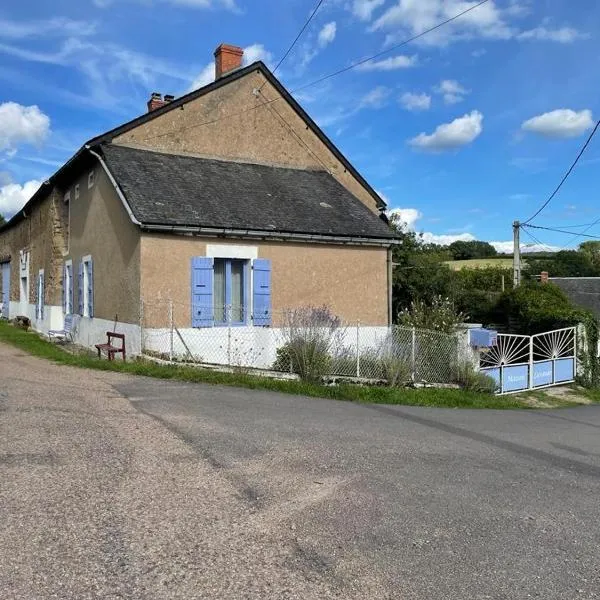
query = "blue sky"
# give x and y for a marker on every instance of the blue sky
(462, 131)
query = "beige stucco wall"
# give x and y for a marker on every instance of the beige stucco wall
(101, 227)
(244, 130)
(351, 281)
(42, 234)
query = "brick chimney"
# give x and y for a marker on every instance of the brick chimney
(227, 58)
(157, 101)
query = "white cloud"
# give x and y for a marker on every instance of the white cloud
(375, 98)
(390, 64)
(363, 9)
(561, 123)
(451, 91)
(57, 26)
(327, 34)
(22, 125)
(407, 217)
(414, 16)
(450, 136)
(564, 35)
(14, 196)
(252, 54)
(228, 4)
(415, 102)
(447, 239)
(507, 247)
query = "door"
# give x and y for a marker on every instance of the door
(5, 299)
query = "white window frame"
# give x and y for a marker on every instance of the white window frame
(91, 179)
(67, 197)
(69, 288)
(39, 302)
(77, 193)
(86, 260)
(24, 258)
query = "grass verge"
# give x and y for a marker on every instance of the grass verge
(448, 398)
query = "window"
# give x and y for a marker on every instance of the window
(67, 197)
(39, 305)
(229, 290)
(91, 176)
(24, 281)
(68, 288)
(232, 291)
(77, 192)
(86, 287)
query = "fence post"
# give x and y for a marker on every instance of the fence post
(531, 363)
(414, 354)
(228, 311)
(171, 325)
(358, 349)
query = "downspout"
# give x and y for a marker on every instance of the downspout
(390, 281)
(115, 185)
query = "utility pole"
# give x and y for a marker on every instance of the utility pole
(516, 255)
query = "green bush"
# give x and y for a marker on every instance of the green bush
(474, 381)
(307, 358)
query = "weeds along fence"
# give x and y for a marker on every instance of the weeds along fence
(229, 337)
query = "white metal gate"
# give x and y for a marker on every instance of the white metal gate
(523, 362)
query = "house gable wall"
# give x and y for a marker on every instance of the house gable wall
(243, 130)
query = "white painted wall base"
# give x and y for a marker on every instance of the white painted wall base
(89, 331)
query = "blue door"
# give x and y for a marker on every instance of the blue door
(5, 288)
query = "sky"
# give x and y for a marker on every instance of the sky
(462, 131)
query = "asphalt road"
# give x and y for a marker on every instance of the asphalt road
(120, 487)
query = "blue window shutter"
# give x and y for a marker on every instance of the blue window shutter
(80, 288)
(202, 291)
(71, 290)
(90, 288)
(64, 289)
(261, 285)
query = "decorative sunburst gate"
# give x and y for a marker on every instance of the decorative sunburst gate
(521, 362)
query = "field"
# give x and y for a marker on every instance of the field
(478, 263)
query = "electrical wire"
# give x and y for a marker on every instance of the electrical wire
(325, 77)
(314, 12)
(565, 176)
(595, 237)
(577, 235)
(538, 242)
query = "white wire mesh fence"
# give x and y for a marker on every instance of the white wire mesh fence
(231, 338)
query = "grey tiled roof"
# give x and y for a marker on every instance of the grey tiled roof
(168, 189)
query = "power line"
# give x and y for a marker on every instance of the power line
(565, 176)
(595, 237)
(314, 12)
(325, 77)
(391, 48)
(583, 232)
(538, 242)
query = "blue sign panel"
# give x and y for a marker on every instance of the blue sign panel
(564, 369)
(515, 378)
(542, 373)
(494, 374)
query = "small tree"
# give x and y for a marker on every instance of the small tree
(439, 315)
(311, 335)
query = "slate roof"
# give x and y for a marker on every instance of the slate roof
(168, 189)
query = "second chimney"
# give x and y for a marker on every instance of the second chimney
(227, 58)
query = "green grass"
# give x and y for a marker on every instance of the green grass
(449, 398)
